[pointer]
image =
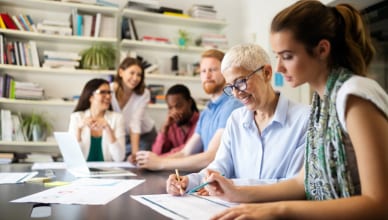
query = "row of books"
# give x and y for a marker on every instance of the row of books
(12, 89)
(210, 40)
(154, 6)
(11, 126)
(92, 24)
(17, 22)
(202, 11)
(18, 52)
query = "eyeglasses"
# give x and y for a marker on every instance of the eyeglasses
(240, 84)
(103, 92)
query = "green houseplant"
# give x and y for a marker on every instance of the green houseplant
(183, 39)
(99, 57)
(35, 127)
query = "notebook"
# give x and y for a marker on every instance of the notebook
(75, 161)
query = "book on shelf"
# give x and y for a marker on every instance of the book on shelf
(61, 55)
(2, 25)
(97, 26)
(125, 28)
(73, 19)
(6, 125)
(34, 54)
(55, 30)
(16, 50)
(19, 53)
(18, 24)
(133, 29)
(176, 14)
(22, 54)
(55, 63)
(2, 50)
(87, 27)
(79, 25)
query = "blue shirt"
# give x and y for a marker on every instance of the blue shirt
(275, 154)
(214, 117)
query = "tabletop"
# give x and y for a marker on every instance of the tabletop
(122, 207)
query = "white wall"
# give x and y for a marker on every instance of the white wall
(257, 18)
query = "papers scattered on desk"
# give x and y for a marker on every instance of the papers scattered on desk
(184, 207)
(61, 165)
(85, 191)
(16, 177)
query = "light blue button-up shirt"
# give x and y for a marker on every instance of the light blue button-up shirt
(214, 117)
(277, 153)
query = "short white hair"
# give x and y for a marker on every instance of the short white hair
(247, 56)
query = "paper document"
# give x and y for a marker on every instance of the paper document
(84, 191)
(16, 177)
(189, 206)
(61, 165)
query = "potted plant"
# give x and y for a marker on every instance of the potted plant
(99, 57)
(35, 127)
(183, 39)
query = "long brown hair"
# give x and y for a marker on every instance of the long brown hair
(90, 87)
(311, 21)
(126, 63)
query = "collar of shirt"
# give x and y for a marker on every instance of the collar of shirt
(212, 104)
(279, 115)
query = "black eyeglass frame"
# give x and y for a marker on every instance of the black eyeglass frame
(240, 84)
(103, 92)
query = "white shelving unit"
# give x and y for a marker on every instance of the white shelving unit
(172, 20)
(65, 83)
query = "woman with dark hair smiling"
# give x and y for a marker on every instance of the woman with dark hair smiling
(99, 130)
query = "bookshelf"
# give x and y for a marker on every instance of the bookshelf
(63, 83)
(172, 20)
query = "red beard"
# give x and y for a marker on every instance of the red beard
(212, 87)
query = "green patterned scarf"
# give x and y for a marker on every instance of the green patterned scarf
(327, 173)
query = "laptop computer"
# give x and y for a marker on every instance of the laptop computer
(75, 161)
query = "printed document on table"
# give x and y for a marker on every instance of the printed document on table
(15, 177)
(189, 206)
(85, 191)
(61, 165)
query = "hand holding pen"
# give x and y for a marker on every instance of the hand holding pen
(218, 185)
(175, 187)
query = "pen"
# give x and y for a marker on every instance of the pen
(195, 189)
(179, 180)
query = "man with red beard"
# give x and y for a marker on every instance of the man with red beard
(201, 148)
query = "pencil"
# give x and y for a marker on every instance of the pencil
(179, 181)
(195, 189)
